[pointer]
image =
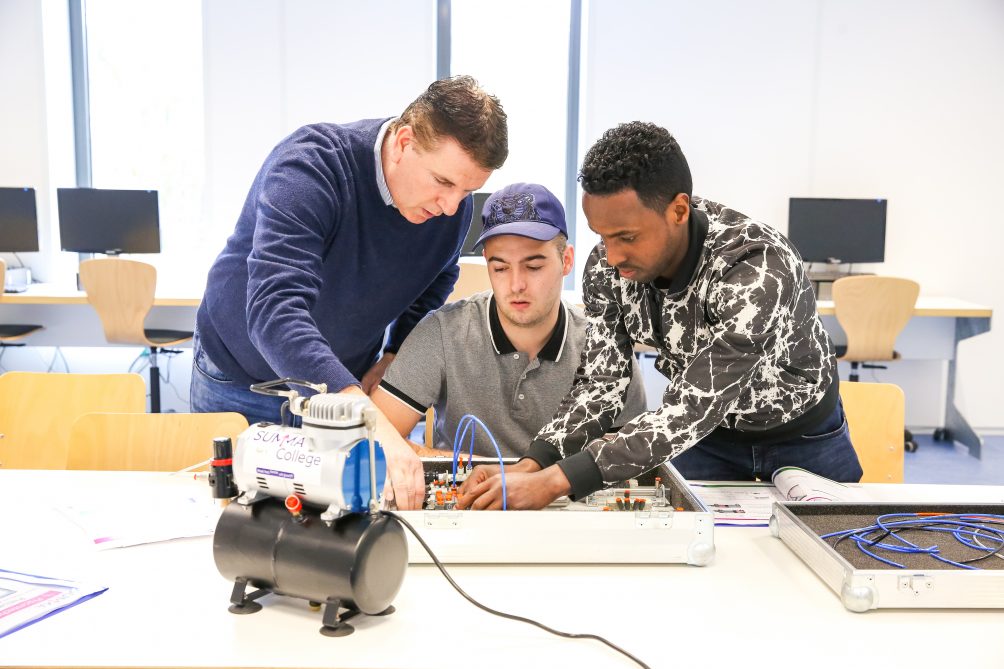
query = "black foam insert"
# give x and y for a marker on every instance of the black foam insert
(826, 518)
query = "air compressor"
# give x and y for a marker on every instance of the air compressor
(305, 520)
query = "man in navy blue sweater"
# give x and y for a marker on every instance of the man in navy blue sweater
(329, 267)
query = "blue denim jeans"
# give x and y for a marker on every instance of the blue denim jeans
(827, 451)
(212, 391)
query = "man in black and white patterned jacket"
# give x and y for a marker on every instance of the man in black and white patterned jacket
(726, 305)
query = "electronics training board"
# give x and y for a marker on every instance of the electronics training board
(674, 527)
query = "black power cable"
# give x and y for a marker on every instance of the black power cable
(510, 616)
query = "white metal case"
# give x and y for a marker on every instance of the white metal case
(862, 589)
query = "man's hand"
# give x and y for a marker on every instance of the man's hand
(405, 476)
(482, 473)
(533, 490)
(371, 379)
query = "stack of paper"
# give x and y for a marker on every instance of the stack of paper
(26, 599)
(746, 504)
(751, 504)
(155, 519)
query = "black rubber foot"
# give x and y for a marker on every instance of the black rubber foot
(386, 612)
(342, 630)
(244, 609)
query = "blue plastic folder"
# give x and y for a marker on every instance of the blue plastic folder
(26, 598)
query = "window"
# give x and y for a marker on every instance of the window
(145, 75)
(519, 51)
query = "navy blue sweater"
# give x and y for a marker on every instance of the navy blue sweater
(319, 266)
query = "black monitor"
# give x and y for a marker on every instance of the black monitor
(18, 220)
(834, 231)
(475, 231)
(95, 220)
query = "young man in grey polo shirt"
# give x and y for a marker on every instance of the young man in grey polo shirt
(509, 356)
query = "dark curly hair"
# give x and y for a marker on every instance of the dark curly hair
(640, 156)
(458, 107)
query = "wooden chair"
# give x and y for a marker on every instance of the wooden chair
(122, 293)
(873, 310)
(876, 415)
(148, 441)
(37, 410)
(11, 334)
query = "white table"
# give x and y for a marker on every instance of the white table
(934, 333)
(70, 321)
(755, 606)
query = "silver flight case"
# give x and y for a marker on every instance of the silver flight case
(864, 583)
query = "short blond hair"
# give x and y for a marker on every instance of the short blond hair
(560, 242)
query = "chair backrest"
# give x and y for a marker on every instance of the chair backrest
(473, 279)
(873, 310)
(148, 441)
(430, 428)
(122, 292)
(37, 410)
(876, 418)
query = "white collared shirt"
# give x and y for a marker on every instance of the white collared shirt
(378, 155)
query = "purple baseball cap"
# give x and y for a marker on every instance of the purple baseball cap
(527, 210)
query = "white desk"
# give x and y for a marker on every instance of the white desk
(934, 333)
(70, 321)
(756, 605)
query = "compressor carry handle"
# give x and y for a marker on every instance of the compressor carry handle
(272, 387)
(370, 415)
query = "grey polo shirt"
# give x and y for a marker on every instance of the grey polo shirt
(459, 360)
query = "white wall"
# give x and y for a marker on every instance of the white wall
(272, 66)
(848, 98)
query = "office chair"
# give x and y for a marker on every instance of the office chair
(148, 442)
(38, 408)
(873, 310)
(122, 291)
(11, 334)
(876, 418)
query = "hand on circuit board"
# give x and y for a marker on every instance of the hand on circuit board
(523, 489)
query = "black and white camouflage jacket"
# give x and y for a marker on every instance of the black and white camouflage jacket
(736, 333)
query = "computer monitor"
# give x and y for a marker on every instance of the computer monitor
(475, 231)
(18, 220)
(95, 220)
(835, 231)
